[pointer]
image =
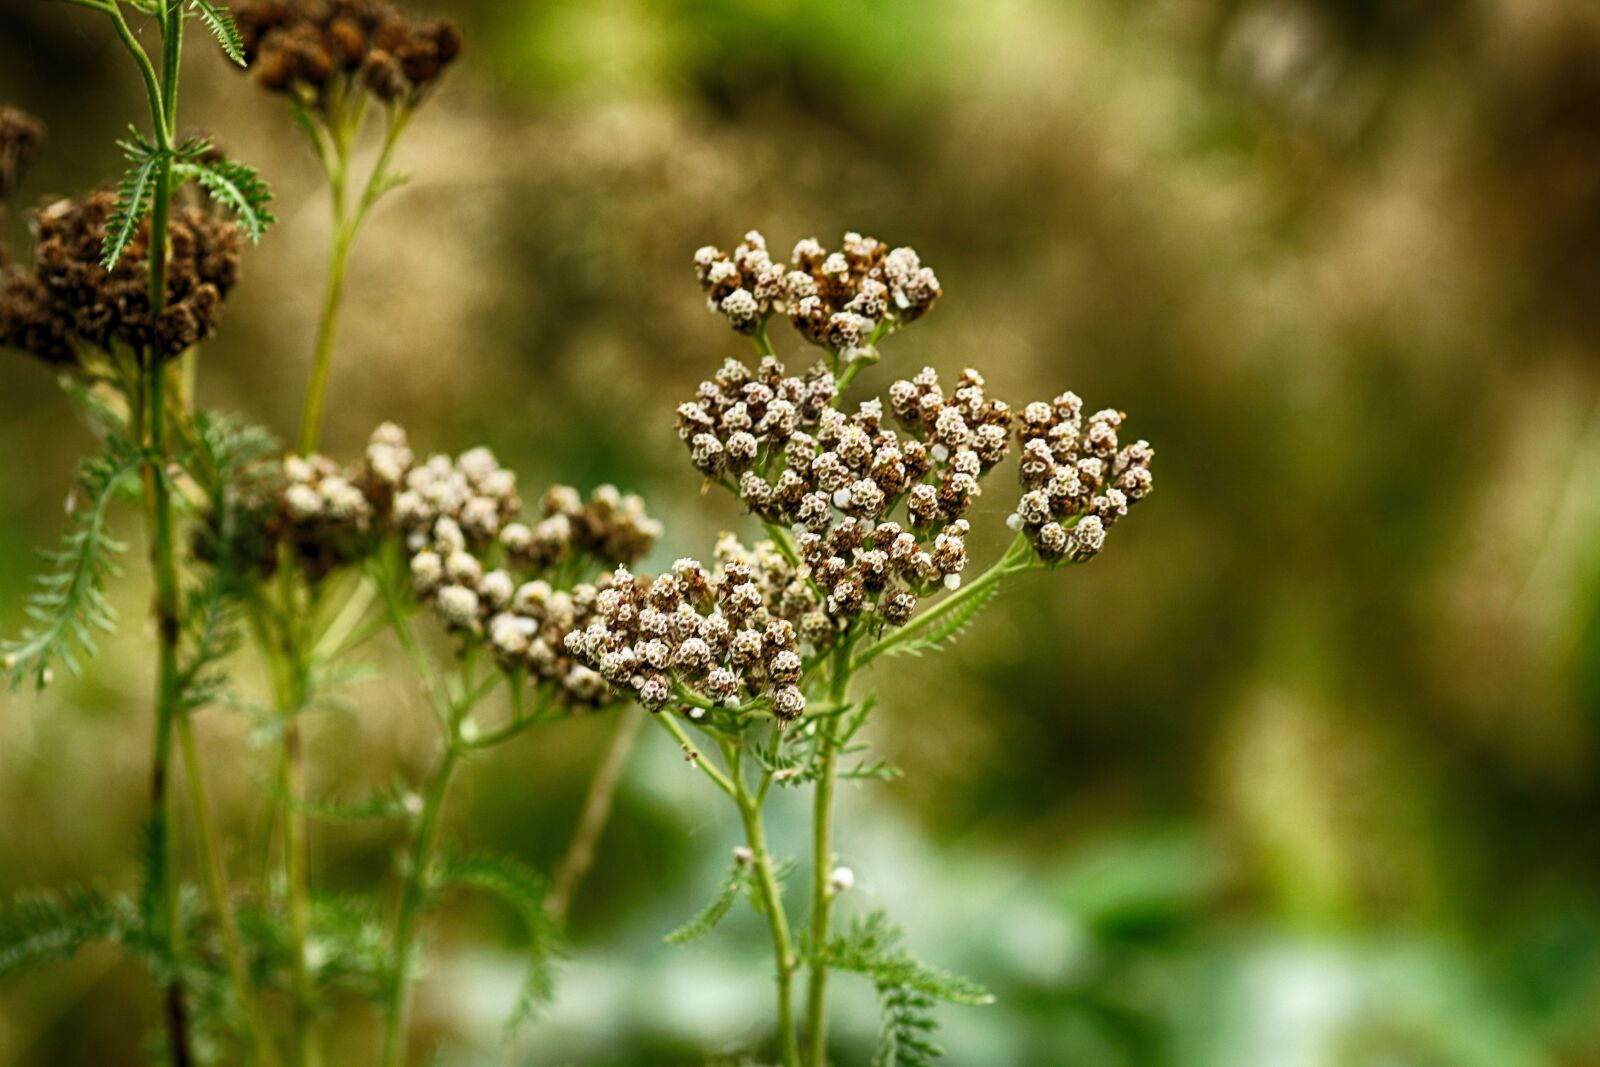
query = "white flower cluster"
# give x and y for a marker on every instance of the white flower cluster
(1076, 481)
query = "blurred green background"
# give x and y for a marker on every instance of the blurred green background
(1301, 772)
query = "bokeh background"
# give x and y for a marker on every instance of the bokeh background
(1301, 772)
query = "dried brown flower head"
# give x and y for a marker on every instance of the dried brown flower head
(315, 48)
(70, 297)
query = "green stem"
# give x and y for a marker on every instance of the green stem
(345, 226)
(163, 844)
(822, 860)
(412, 896)
(216, 876)
(784, 960)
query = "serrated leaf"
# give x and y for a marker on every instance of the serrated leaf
(871, 947)
(907, 989)
(523, 888)
(948, 628)
(220, 21)
(713, 913)
(237, 187)
(70, 605)
(135, 192)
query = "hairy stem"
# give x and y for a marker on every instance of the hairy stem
(595, 814)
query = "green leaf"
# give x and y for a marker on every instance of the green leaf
(40, 927)
(523, 889)
(135, 193)
(907, 988)
(70, 604)
(237, 187)
(220, 21)
(947, 629)
(713, 913)
(906, 1038)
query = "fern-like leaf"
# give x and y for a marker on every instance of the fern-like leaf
(70, 604)
(521, 887)
(220, 21)
(947, 629)
(906, 1039)
(40, 927)
(907, 988)
(237, 187)
(135, 193)
(713, 913)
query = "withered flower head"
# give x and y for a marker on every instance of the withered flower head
(70, 298)
(113, 306)
(309, 47)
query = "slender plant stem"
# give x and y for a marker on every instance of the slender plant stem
(784, 960)
(163, 843)
(822, 861)
(296, 859)
(412, 896)
(216, 876)
(595, 814)
(169, 623)
(346, 223)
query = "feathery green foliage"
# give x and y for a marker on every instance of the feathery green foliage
(40, 927)
(135, 193)
(707, 918)
(70, 603)
(219, 20)
(237, 187)
(523, 888)
(945, 631)
(907, 988)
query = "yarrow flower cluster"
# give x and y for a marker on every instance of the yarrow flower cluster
(716, 636)
(487, 574)
(305, 46)
(69, 298)
(1077, 482)
(795, 460)
(843, 301)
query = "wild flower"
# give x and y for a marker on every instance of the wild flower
(866, 506)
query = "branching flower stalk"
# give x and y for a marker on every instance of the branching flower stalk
(865, 518)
